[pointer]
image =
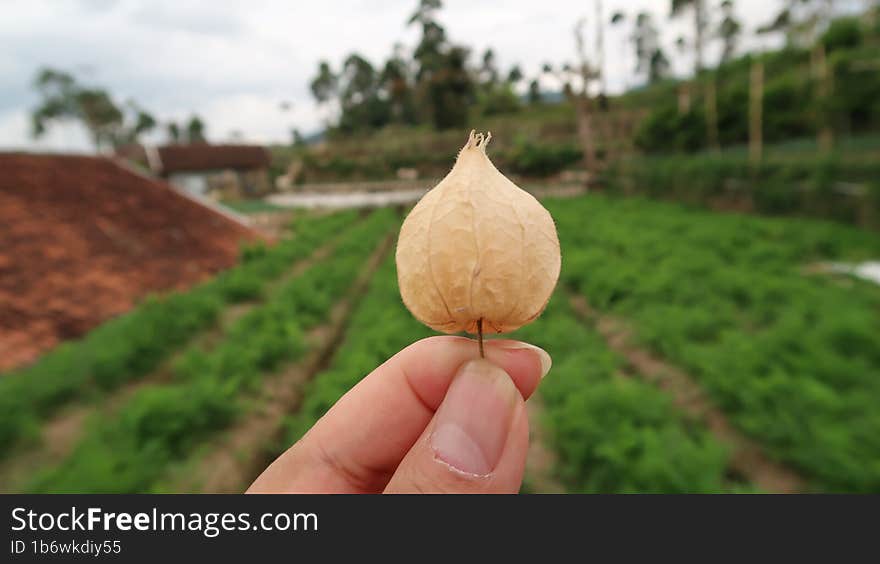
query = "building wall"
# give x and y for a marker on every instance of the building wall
(191, 183)
(223, 184)
(254, 183)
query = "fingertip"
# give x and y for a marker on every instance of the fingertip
(525, 363)
(430, 363)
(545, 361)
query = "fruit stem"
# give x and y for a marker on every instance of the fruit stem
(480, 336)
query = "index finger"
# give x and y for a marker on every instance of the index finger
(359, 443)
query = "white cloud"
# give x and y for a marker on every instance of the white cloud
(263, 115)
(15, 127)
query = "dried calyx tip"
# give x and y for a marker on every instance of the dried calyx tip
(478, 140)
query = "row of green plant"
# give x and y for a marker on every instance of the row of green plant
(793, 103)
(380, 327)
(251, 206)
(611, 434)
(522, 155)
(132, 345)
(539, 160)
(829, 188)
(789, 352)
(128, 450)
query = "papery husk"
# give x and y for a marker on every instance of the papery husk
(477, 247)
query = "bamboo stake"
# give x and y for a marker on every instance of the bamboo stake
(712, 115)
(756, 111)
(823, 85)
(684, 98)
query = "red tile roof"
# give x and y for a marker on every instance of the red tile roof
(203, 157)
(83, 239)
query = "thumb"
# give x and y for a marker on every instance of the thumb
(475, 443)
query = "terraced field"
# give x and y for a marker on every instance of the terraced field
(693, 352)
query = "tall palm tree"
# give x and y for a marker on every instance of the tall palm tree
(698, 9)
(729, 30)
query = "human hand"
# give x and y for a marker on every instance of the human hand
(435, 418)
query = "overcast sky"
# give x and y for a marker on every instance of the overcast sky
(235, 62)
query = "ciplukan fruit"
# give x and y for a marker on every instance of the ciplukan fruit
(477, 253)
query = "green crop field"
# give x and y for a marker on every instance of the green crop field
(785, 352)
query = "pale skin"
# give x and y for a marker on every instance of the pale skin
(435, 418)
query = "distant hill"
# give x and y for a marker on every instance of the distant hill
(314, 137)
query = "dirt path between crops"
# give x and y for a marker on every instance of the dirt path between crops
(62, 432)
(273, 224)
(236, 458)
(541, 460)
(747, 457)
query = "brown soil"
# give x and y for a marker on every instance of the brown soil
(61, 433)
(84, 239)
(273, 224)
(541, 460)
(236, 458)
(747, 457)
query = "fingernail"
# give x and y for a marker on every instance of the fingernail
(543, 356)
(474, 419)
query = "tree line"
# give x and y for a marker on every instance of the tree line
(436, 82)
(110, 123)
(823, 82)
(433, 84)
